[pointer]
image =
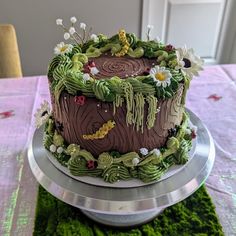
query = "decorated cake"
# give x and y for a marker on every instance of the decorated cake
(118, 105)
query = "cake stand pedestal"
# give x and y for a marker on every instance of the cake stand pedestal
(124, 207)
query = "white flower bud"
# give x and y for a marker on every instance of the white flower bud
(156, 152)
(143, 151)
(94, 37)
(135, 161)
(150, 27)
(66, 36)
(60, 150)
(86, 77)
(72, 30)
(59, 21)
(82, 25)
(73, 19)
(52, 148)
(94, 70)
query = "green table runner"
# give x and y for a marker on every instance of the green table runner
(193, 216)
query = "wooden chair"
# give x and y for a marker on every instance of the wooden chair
(10, 65)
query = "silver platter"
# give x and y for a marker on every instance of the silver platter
(125, 206)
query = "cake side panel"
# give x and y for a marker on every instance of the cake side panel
(78, 120)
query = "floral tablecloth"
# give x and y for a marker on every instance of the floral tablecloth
(212, 97)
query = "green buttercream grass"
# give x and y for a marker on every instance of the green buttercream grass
(113, 166)
(194, 216)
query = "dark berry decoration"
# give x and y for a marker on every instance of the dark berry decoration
(169, 48)
(59, 126)
(91, 64)
(147, 71)
(80, 100)
(172, 132)
(91, 164)
(193, 134)
(187, 63)
(86, 68)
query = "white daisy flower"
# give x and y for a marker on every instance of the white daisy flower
(63, 48)
(60, 150)
(59, 21)
(188, 62)
(94, 37)
(94, 70)
(52, 148)
(82, 25)
(86, 77)
(42, 114)
(161, 76)
(143, 151)
(156, 151)
(73, 19)
(72, 30)
(66, 36)
(135, 161)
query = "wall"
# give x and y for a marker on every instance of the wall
(37, 32)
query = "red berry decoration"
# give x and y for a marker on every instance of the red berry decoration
(80, 100)
(86, 68)
(169, 48)
(147, 71)
(193, 134)
(91, 164)
(91, 64)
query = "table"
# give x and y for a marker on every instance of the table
(212, 97)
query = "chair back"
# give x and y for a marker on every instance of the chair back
(10, 65)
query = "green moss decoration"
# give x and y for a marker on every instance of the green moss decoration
(194, 216)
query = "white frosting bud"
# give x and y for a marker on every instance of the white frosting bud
(59, 21)
(150, 27)
(135, 161)
(94, 70)
(82, 25)
(72, 30)
(52, 148)
(156, 152)
(73, 19)
(60, 150)
(143, 151)
(94, 37)
(86, 77)
(66, 36)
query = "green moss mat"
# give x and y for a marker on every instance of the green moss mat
(193, 216)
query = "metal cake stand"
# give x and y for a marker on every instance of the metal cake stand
(123, 207)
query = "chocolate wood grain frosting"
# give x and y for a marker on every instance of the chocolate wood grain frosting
(122, 67)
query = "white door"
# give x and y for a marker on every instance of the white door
(208, 26)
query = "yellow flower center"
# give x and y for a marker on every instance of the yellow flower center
(160, 76)
(63, 48)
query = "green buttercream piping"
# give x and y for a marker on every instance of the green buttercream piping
(186, 87)
(152, 111)
(138, 111)
(77, 167)
(136, 53)
(86, 155)
(105, 160)
(93, 52)
(116, 172)
(114, 47)
(128, 94)
(101, 90)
